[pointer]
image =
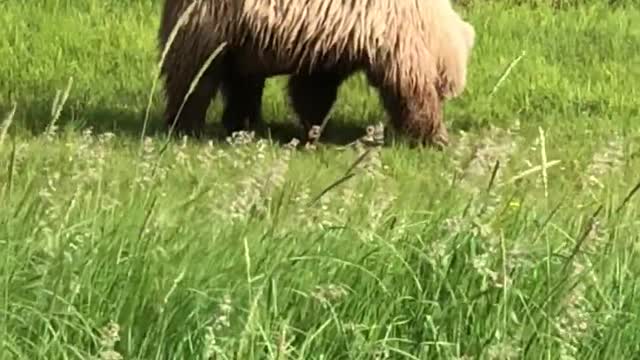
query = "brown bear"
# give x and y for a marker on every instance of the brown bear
(414, 52)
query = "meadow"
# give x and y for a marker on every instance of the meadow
(519, 241)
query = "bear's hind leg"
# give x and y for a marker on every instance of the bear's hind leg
(243, 102)
(313, 95)
(188, 117)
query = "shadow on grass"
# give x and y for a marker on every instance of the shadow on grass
(128, 122)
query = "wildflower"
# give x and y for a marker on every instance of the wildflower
(606, 160)
(256, 189)
(240, 138)
(213, 342)
(498, 145)
(329, 293)
(109, 337)
(503, 350)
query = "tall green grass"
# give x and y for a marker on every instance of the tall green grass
(519, 241)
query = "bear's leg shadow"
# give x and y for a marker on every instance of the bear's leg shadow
(243, 102)
(313, 95)
(180, 71)
(418, 113)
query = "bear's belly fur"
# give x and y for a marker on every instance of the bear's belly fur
(249, 60)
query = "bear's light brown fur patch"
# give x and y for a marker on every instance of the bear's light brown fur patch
(414, 51)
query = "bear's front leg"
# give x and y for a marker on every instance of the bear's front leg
(313, 95)
(417, 111)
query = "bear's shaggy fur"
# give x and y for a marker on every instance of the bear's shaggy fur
(415, 52)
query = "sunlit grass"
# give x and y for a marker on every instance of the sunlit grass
(249, 249)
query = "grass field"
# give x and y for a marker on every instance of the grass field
(120, 245)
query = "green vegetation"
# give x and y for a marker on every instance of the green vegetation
(117, 245)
